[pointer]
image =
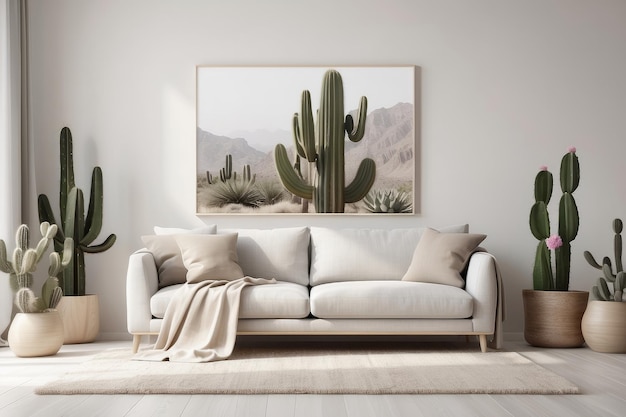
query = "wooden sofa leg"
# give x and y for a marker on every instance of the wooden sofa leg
(136, 342)
(483, 342)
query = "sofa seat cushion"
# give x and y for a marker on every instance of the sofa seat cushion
(390, 299)
(283, 300)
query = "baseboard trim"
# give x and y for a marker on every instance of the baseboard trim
(114, 336)
(514, 336)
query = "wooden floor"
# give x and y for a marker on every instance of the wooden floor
(601, 377)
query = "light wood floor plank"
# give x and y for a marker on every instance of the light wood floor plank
(14, 395)
(211, 405)
(32, 405)
(403, 405)
(104, 405)
(281, 406)
(159, 405)
(320, 406)
(393, 405)
(251, 406)
(459, 405)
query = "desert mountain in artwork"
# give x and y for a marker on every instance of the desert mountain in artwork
(388, 139)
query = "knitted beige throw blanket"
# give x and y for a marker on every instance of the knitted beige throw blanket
(200, 323)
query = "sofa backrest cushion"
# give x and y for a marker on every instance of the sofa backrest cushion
(364, 254)
(281, 253)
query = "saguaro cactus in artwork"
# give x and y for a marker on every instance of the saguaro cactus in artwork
(323, 147)
(73, 222)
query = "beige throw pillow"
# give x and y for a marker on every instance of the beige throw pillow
(210, 257)
(440, 257)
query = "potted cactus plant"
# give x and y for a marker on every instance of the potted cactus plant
(553, 313)
(603, 325)
(37, 329)
(80, 311)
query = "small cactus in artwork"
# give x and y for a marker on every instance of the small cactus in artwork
(616, 277)
(233, 189)
(24, 263)
(226, 173)
(388, 201)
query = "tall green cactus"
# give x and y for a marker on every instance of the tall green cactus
(322, 145)
(24, 263)
(618, 278)
(73, 223)
(543, 278)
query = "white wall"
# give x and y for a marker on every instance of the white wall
(507, 86)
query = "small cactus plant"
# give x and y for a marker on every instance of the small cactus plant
(388, 201)
(24, 263)
(601, 291)
(543, 278)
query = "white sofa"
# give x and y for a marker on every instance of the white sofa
(331, 282)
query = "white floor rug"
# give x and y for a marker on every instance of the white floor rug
(330, 368)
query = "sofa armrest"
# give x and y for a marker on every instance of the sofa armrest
(481, 282)
(142, 282)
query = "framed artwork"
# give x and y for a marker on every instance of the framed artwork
(307, 140)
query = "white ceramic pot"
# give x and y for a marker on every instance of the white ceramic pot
(604, 326)
(36, 334)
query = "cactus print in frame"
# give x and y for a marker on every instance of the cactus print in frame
(307, 140)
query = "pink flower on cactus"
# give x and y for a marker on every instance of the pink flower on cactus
(571, 149)
(554, 242)
(543, 168)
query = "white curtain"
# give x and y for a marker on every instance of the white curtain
(13, 133)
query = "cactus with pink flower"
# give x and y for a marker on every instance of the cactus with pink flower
(543, 276)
